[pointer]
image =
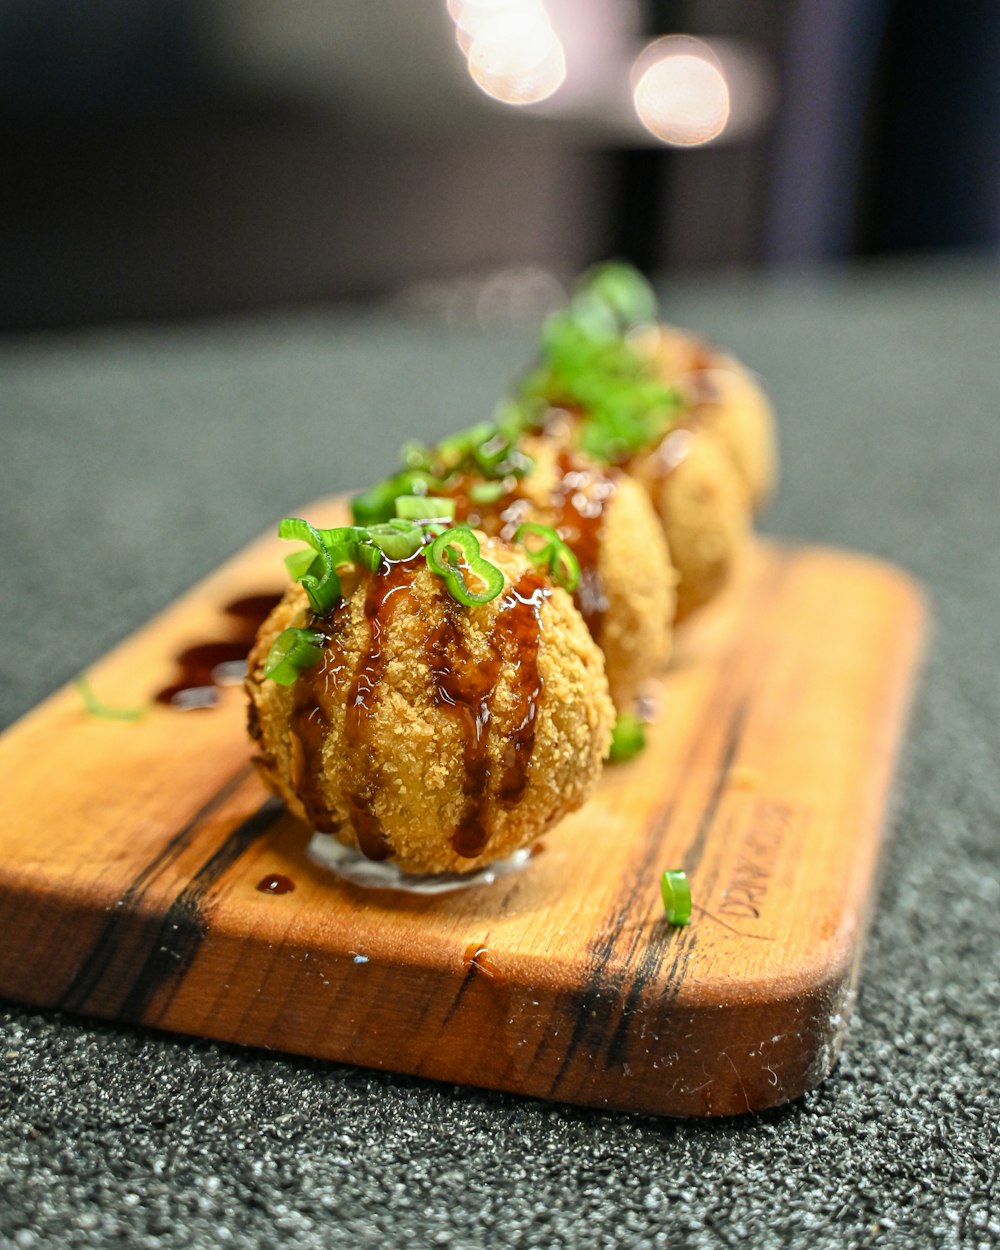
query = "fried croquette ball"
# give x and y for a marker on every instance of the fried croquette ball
(703, 507)
(626, 590)
(722, 395)
(439, 736)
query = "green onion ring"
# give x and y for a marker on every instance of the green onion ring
(320, 581)
(562, 564)
(291, 653)
(623, 290)
(442, 560)
(296, 527)
(486, 492)
(676, 893)
(378, 503)
(397, 539)
(299, 562)
(424, 508)
(343, 534)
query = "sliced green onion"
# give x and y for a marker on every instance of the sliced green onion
(628, 738)
(343, 534)
(296, 527)
(291, 653)
(378, 503)
(454, 552)
(349, 553)
(515, 415)
(562, 564)
(320, 580)
(424, 508)
(676, 894)
(491, 452)
(453, 450)
(299, 562)
(397, 539)
(623, 290)
(103, 711)
(321, 584)
(415, 455)
(487, 492)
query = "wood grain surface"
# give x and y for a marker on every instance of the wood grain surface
(131, 853)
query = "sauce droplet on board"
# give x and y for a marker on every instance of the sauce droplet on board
(276, 883)
(478, 957)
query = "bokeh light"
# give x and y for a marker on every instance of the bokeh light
(513, 53)
(680, 92)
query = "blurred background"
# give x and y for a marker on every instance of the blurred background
(182, 158)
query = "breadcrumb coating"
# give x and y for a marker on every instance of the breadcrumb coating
(722, 395)
(702, 504)
(626, 592)
(439, 736)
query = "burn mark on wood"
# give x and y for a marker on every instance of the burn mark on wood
(612, 967)
(95, 966)
(170, 938)
(183, 928)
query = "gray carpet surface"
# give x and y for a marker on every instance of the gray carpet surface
(135, 459)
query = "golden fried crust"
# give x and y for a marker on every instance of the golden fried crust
(634, 579)
(640, 581)
(703, 506)
(721, 394)
(409, 768)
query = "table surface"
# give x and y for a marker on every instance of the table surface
(136, 459)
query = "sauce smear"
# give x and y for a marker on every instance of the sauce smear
(204, 668)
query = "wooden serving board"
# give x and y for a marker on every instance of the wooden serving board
(131, 855)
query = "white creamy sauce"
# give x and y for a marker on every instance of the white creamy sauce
(350, 865)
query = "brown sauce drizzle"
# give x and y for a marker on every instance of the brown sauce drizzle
(580, 499)
(315, 695)
(466, 685)
(204, 668)
(317, 691)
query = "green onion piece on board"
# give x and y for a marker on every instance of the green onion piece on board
(424, 507)
(291, 653)
(103, 711)
(561, 563)
(454, 553)
(676, 896)
(628, 738)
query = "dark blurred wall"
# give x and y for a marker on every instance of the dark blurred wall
(143, 180)
(932, 149)
(168, 158)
